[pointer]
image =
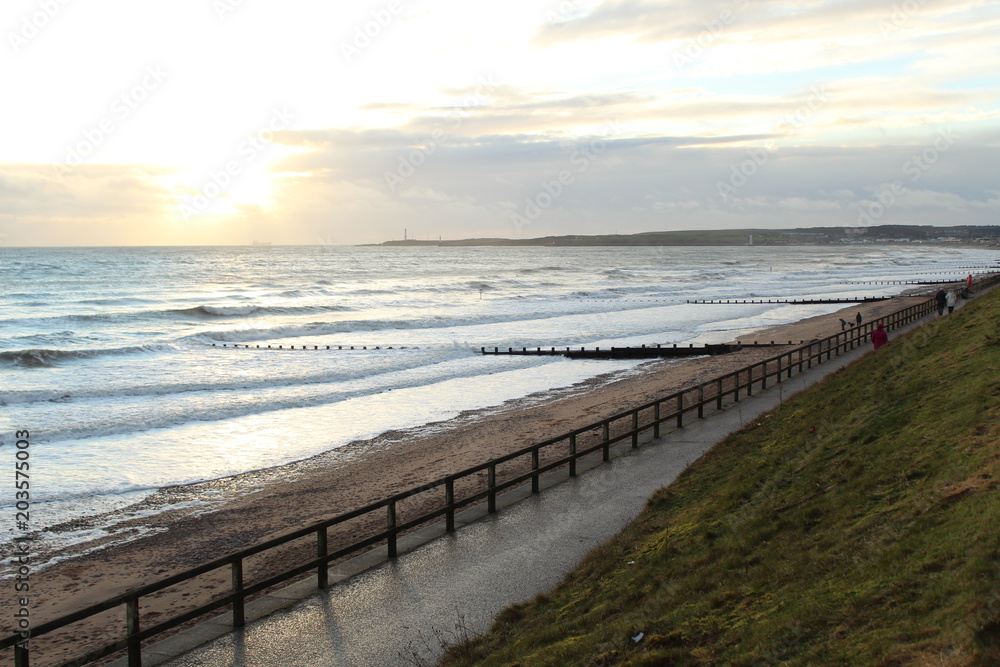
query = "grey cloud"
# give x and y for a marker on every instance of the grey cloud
(476, 185)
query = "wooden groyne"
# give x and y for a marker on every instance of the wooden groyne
(642, 352)
(855, 299)
(238, 346)
(907, 282)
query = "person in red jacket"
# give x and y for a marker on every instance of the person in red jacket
(879, 337)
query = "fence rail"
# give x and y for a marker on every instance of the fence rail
(503, 473)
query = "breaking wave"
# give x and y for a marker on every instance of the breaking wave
(44, 358)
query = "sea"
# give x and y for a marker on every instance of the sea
(112, 359)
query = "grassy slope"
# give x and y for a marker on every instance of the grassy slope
(857, 524)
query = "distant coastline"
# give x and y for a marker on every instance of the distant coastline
(968, 234)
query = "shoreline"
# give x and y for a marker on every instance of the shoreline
(254, 506)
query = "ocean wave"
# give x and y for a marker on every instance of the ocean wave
(435, 322)
(219, 311)
(46, 358)
(543, 269)
(311, 329)
(224, 402)
(215, 311)
(244, 390)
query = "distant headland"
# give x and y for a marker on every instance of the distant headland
(984, 235)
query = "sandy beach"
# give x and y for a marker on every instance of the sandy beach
(250, 508)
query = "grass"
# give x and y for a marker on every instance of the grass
(859, 523)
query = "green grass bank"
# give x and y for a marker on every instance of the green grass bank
(857, 524)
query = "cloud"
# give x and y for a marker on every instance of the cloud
(505, 186)
(96, 204)
(549, 118)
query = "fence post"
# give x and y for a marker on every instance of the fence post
(132, 630)
(778, 376)
(534, 470)
(390, 520)
(606, 453)
(736, 387)
(701, 401)
(791, 364)
(718, 395)
(572, 455)
(680, 410)
(491, 486)
(239, 616)
(449, 501)
(656, 420)
(322, 575)
(635, 429)
(21, 654)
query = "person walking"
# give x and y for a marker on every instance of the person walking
(951, 299)
(942, 301)
(879, 337)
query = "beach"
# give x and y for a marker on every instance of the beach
(249, 508)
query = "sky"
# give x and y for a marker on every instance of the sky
(198, 122)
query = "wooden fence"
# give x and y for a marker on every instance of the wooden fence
(524, 466)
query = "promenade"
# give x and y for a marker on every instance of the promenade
(398, 612)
